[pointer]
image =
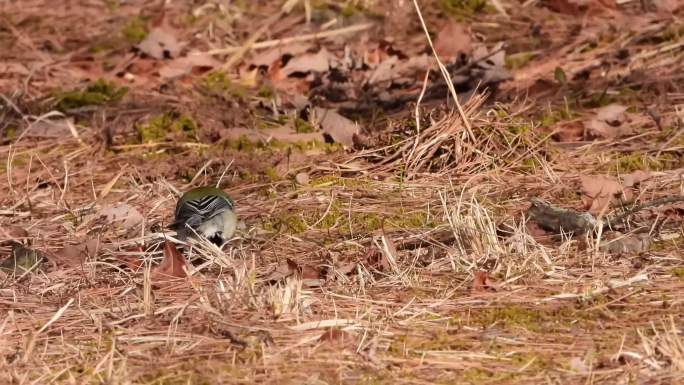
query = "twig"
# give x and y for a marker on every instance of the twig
(295, 39)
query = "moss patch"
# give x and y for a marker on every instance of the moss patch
(135, 30)
(462, 8)
(158, 127)
(219, 83)
(100, 92)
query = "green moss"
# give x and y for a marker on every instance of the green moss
(640, 161)
(266, 92)
(219, 83)
(462, 8)
(481, 375)
(552, 117)
(158, 127)
(135, 30)
(302, 126)
(100, 92)
(11, 133)
(272, 174)
(678, 272)
(518, 60)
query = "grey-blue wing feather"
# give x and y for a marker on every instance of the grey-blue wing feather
(193, 212)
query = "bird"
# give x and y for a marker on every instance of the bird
(206, 211)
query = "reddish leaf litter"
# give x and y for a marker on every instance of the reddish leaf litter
(428, 192)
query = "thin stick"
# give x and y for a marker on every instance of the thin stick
(295, 39)
(445, 72)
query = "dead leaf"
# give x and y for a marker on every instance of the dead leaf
(57, 128)
(75, 255)
(568, 131)
(313, 62)
(337, 337)
(302, 178)
(124, 214)
(160, 43)
(482, 282)
(636, 177)
(540, 235)
(617, 243)
(283, 270)
(339, 128)
(451, 40)
(610, 122)
(186, 65)
(346, 268)
(132, 262)
(599, 192)
(172, 266)
(311, 276)
(12, 233)
(268, 57)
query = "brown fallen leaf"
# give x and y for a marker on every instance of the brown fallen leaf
(451, 40)
(283, 270)
(482, 282)
(311, 276)
(610, 122)
(132, 262)
(599, 192)
(617, 243)
(337, 337)
(568, 131)
(122, 214)
(12, 233)
(313, 62)
(188, 64)
(57, 128)
(635, 178)
(75, 255)
(172, 266)
(340, 129)
(160, 43)
(302, 178)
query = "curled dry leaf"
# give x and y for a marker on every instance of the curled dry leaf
(313, 62)
(617, 243)
(337, 337)
(610, 122)
(186, 65)
(283, 270)
(12, 233)
(160, 43)
(339, 128)
(568, 131)
(75, 255)
(123, 214)
(635, 178)
(173, 265)
(451, 40)
(598, 192)
(482, 282)
(302, 178)
(57, 128)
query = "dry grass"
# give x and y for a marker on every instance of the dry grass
(386, 244)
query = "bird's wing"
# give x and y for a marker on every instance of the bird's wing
(195, 211)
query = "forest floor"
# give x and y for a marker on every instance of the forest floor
(523, 226)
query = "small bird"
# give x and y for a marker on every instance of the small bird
(207, 211)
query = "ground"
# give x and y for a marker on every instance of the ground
(523, 226)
